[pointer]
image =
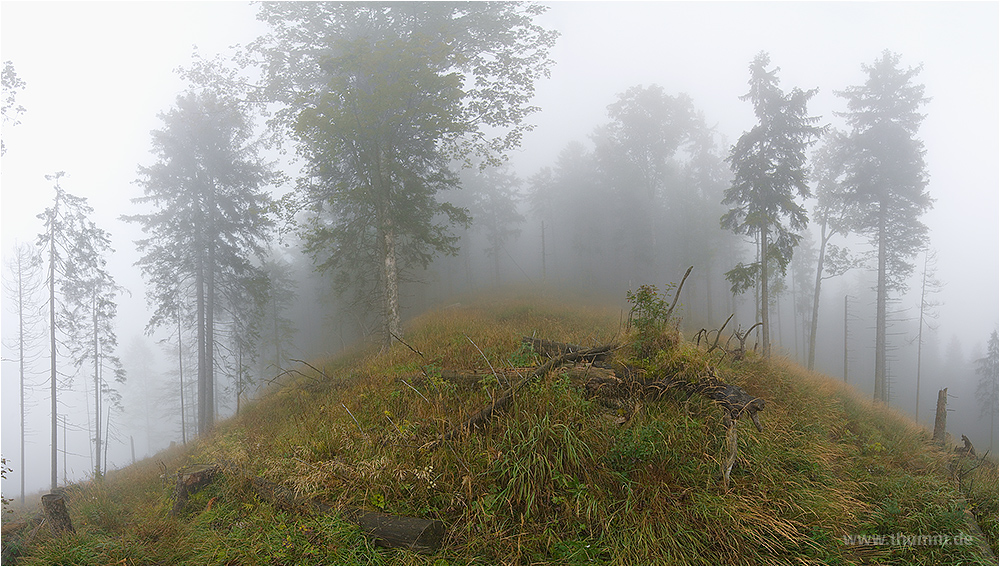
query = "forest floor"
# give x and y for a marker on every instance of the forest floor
(557, 476)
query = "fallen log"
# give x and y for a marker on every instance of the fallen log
(734, 400)
(485, 414)
(398, 531)
(554, 348)
(386, 530)
(620, 381)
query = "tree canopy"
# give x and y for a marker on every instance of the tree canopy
(381, 99)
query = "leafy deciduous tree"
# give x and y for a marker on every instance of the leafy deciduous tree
(381, 98)
(636, 155)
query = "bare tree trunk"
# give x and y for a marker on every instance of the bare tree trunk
(765, 327)
(880, 302)
(941, 416)
(97, 394)
(496, 263)
(210, 339)
(823, 239)
(20, 344)
(390, 287)
(202, 370)
(845, 338)
(543, 251)
(180, 376)
(52, 343)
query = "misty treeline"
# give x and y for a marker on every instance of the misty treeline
(399, 195)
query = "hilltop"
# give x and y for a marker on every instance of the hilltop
(557, 476)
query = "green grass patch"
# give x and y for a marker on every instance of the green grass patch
(555, 477)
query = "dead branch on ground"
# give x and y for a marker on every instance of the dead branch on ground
(504, 400)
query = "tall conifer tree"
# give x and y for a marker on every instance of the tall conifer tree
(210, 220)
(885, 179)
(769, 168)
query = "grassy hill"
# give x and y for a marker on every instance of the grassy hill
(554, 478)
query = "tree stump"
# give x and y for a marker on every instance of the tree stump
(189, 481)
(54, 508)
(941, 417)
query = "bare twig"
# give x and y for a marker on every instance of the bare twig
(497, 376)
(719, 334)
(354, 418)
(415, 390)
(407, 344)
(310, 366)
(486, 413)
(677, 294)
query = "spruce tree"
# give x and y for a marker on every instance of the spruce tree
(885, 181)
(770, 177)
(209, 223)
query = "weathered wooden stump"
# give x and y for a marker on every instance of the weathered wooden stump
(54, 508)
(189, 481)
(941, 417)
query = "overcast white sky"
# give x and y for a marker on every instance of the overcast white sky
(98, 73)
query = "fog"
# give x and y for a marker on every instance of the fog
(98, 74)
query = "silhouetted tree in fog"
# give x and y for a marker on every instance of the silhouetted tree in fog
(768, 164)
(89, 322)
(23, 284)
(209, 223)
(75, 249)
(636, 153)
(12, 84)
(929, 285)
(988, 390)
(569, 201)
(381, 98)
(277, 329)
(885, 180)
(494, 208)
(830, 212)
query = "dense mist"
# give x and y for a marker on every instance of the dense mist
(606, 164)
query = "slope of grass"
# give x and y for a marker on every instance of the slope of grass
(554, 478)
